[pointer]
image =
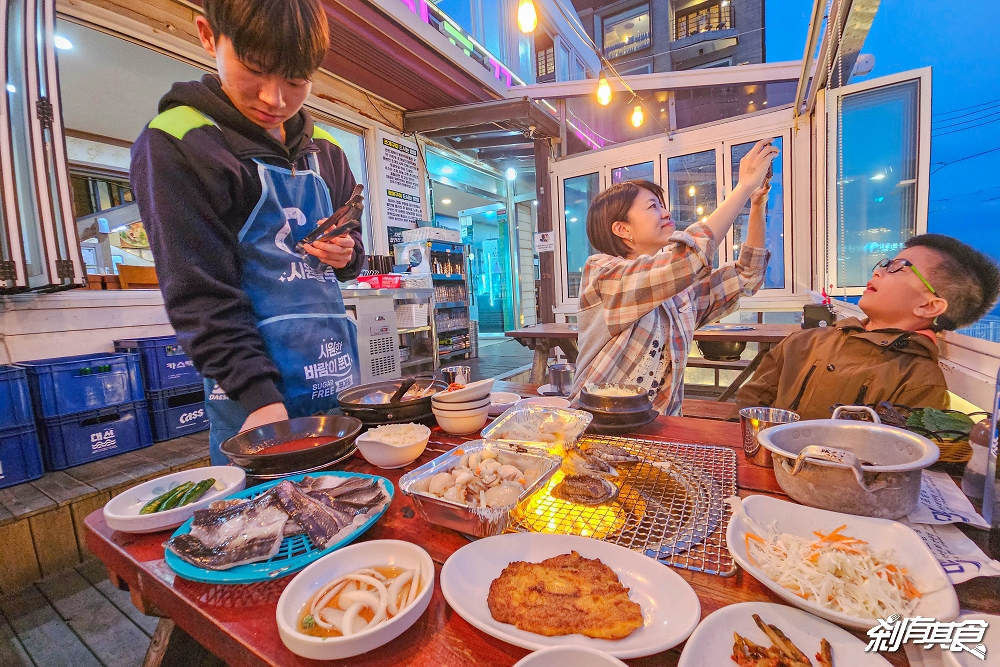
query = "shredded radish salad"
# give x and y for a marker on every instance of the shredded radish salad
(837, 572)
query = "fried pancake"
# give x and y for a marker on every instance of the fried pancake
(564, 595)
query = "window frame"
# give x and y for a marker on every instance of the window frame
(12, 225)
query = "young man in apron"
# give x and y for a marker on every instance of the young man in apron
(229, 176)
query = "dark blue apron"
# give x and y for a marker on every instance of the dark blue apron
(297, 303)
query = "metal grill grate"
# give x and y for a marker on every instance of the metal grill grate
(384, 366)
(381, 345)
(669, 507)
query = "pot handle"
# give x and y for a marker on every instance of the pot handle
(856, 408)
(841, 457)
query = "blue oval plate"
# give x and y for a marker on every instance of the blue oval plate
(295, 553)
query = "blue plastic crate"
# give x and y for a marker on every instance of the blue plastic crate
(20, 457)
(77, 439)
(164, 363)
(69, 385)
(15, 399)
(177, 412)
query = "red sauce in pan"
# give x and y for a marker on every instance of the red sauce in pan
(292, 445)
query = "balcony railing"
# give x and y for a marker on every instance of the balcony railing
(703, 18)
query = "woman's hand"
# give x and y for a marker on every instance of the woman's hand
(275, 412)
(336, 252)
(760, 195)
(754, 165)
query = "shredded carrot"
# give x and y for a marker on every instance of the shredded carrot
(459, 452)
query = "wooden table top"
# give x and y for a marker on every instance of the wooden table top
(759, 333)
(237, 623)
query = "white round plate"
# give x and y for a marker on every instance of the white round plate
(670, 608)
(711, 645)
(547, 389)
(122, 511)
(501, 401)
(939, 600)
(566, 656)
(545, 401)
(991, 640)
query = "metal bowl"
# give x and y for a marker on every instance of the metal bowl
(718, 350)
(246, 451)
(640, 402)
(850, 466)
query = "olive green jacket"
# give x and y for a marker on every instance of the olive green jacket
(812, 370)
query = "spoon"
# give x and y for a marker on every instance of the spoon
(402, 390)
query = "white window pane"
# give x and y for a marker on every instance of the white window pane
(774, 218)
(562, 64)
(643, 171)
(578, 193)
(693, 192)
(876, 178)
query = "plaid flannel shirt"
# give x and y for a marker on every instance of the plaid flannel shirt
(649, 306)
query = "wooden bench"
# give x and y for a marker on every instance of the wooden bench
(41, 522)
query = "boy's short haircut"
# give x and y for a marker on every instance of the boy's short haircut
(966, 278)
(286, 37)
(611, 206)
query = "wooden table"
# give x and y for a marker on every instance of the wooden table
(543, 337)
(237, 623)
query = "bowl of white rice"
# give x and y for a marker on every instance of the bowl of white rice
(393, 445)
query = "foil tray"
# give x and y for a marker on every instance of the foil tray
(474, 521)
(538, 426)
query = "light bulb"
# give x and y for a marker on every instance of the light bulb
(445, 201)
(527, 17)
(62, 43)
(701, 209)
(603, 90)
(691, 191)
(511, 173)
(637, 116)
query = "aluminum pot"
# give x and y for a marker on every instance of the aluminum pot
(850, 466)
(385, 413)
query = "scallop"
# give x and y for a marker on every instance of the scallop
(440, 482)
(474, 459)
(463, 478)
(509, 472)
(489, 454)
(455, 494)
(502, 496)
(422, 485)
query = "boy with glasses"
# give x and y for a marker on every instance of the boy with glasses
(936, 283)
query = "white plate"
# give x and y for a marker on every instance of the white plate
(500, 401)
(122, 511)
(711, 645)
(569, 656)
(547, 401)
(939, 600)
(471, 393)
(670, 608)
(991, 640)
(547, 389)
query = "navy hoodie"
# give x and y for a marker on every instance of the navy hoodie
(196, 184)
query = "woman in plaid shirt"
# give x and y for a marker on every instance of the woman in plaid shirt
(639, 307)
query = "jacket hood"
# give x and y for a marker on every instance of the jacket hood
(911, 342)
(245, 138)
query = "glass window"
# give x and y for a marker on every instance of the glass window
(876, 178)
(692, 191)
(700, 18)
(627, 32)
(562, 64)
(525, 70)
(492, 28)
(579, 70)
(353, 145)
(774, 219)
(459, 11)
(578, 193)
(643, 171)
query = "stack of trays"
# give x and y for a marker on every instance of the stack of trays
(87, 407)
(175, 390)
(20, 456)
(617, 408)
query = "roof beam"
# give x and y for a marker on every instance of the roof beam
(489, 142)
(501, 152)
(523, 112)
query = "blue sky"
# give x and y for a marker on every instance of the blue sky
(960, 42)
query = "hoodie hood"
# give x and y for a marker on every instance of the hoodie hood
(245, 138)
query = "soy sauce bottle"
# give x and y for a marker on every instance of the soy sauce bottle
(991, 497)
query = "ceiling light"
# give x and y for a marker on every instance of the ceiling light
(603, 90)
(11, 88)
(691, 191)
(447, 170)
(637, 116)
(62, 43)
(527, 17)
(511, 173)
(663, 110)
(445, 201)
(572, 219)
(535, 202)
(878, 177)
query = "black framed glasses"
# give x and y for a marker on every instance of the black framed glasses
(897, 265)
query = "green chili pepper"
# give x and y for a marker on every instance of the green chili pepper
(196, 492)
(156, 503)
(172, 501)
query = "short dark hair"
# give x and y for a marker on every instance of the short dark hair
(966, 278)
(611, 206)
(286, 37)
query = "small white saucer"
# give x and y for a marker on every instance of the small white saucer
(546, 389)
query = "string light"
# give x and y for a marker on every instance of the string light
(603, 90)
(691, 191)
(637, 116)
(701, 209)
(527, 17)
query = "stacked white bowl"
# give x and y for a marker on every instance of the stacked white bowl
(465, 410)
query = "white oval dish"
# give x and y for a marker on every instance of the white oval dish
(386, 456)
(991, 641)
(122, 511)
(711, 644)
(565, 656)
(670, 607)
(473, 391)
(545, 401)
(939, 600)
(501, 400)
(376, 553)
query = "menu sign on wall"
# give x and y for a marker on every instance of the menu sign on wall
(400, 181)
